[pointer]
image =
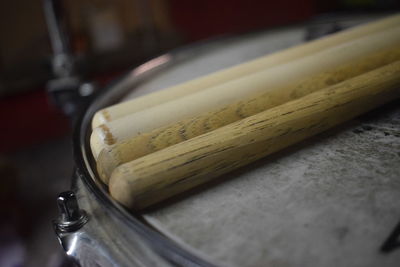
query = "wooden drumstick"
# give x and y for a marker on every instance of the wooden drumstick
(180, 131)
(160, 175)
(120, 110)
(324, 68)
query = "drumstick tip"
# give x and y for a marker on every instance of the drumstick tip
(101, 117)
(120, 188)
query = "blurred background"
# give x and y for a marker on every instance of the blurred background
(43, 80)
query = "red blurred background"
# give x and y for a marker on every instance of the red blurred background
(109, 37)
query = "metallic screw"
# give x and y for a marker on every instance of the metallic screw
(71, 217)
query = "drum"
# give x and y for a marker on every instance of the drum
(330, 201)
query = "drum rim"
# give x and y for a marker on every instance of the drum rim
(167, 248)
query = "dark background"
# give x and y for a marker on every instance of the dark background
(106, 39)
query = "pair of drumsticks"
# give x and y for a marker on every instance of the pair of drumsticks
(153, 147)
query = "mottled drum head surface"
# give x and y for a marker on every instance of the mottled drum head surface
(330, 201)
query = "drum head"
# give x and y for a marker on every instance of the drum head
(329, 201)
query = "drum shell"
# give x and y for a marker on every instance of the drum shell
(114, 236)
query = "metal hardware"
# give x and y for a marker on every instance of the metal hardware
(71, 217)
(68, 89)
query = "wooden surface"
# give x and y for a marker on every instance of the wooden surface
(270, 88)
(162, 174)
(123, 109)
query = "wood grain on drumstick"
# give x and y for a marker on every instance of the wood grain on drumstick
(180, 131)
(120, 110)
(160, 175)
(137, 140)
(219, 96)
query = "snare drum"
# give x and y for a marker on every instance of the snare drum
(330, 201)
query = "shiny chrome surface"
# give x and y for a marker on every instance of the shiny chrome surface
(71, 218)
(103, 240)
(114, 236)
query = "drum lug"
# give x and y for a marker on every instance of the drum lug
(71, 218)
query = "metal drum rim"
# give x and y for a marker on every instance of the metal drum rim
(164, 246)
